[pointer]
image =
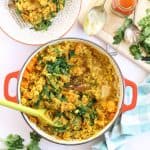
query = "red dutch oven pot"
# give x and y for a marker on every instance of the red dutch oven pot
(122, 107)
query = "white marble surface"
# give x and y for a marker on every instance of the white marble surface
(12, 58)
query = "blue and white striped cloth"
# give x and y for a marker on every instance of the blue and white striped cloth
(131, 123)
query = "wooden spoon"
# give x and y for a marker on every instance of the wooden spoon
(39, 113)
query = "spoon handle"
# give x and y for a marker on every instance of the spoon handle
(20, 108)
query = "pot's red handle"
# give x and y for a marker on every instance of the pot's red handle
(134, 96)
(6, 86)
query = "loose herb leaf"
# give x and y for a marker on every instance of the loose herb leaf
(147, 42)
(135, 51)
(35, 137)
(34, 143)
(33, 146)
(119, 36)
(145, 21)
(14, 142)
(144, 38)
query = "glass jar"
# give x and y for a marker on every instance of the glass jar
(123, 7)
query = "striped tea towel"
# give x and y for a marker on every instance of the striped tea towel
(131, 123)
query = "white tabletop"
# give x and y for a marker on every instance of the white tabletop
(12, 58)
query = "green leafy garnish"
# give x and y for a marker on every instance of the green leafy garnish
(140, 49)
(119, 35)
(57, 51)
(148, 11)
(44, 94)
(77, 123)
(14, 142)
(35, 137)
(135, 51)
(60, 129)
(81, 110)
(53, 14)
(67, 84)
(71, 53)
(93, 115)
(43, 25)
(144, 38)
(145, 22)
(18, 11)
(63, 98)
(91, 102)
(34, 143)
(48, 94)
(60, 66)
(58, 114)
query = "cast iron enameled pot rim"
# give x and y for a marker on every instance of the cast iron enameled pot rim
(122, 88)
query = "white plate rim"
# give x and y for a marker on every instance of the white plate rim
(14, 39)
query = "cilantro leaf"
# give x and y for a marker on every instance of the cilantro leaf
(60, 66)
(35, 137)
(119, 35)
(43, 25)
(33, 146)
(34, 143)
(135, 51)
(14, 142)
(71, 53)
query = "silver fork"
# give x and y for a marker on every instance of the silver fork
(10, 4)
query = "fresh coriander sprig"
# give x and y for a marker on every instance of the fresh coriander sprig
(34, 143)
(16, 142)
(141, 48)
(119, 35)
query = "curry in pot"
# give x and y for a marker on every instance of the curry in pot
(76, 84)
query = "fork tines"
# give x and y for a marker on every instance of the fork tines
(9, 5)
(17, 18)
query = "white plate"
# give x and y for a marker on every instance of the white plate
(60, 26)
